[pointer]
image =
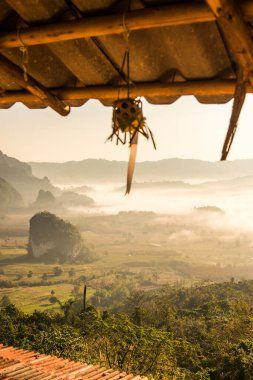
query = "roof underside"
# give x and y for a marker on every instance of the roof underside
(164, 55)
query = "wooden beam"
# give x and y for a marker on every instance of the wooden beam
(239, 41)
(32, 86)
(108, 24)
(94, 26)
(196, 88)
(236, 32)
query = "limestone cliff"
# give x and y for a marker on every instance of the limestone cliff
(51, 238)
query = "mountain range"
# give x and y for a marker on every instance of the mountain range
(29, 179)
(102, 171)
(19, 176)
(20, 188)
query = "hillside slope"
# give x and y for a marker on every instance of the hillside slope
(19, 175)
(9, 197)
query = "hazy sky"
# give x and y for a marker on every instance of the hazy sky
(185, 129)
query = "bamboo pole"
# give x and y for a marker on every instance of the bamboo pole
(36, 90)
(237, 34)
(176, 89)
(93, 26)
(239, 98)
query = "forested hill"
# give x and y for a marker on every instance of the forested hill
(92, 170)
(198, 333)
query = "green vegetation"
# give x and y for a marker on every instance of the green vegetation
(52, 239)
(134, 251)
(110, 340)
(153, 304)
(202, 332)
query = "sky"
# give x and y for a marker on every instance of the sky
(185, 129)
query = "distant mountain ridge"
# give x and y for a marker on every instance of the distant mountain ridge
(19, 175)
(238, 183)
(99, 170)
(9, 197)
(11, 167)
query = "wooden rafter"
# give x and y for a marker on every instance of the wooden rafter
(94, 26)
(33, 87)
(237, 35)
(176, 89)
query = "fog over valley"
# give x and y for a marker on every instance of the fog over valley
(199, 216)
(174, 254)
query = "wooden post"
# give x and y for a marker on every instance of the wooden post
(84, 297)
(239, 98)
(32, 86)
(239, 41)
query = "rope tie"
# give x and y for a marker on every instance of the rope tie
(24, 51)
(126, 58)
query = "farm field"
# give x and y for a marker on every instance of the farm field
(133, 250)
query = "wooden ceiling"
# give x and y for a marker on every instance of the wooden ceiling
(61, 53)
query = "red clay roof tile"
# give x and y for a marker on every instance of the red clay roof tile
(28, 365)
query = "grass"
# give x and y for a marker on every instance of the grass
(178, 250)
(31, 298)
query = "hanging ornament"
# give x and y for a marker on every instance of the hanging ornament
(127, 116)
(127, 122)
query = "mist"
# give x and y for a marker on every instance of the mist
(161, 199)
(184, 221)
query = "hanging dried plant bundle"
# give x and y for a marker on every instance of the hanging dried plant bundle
(128, 119)
(127, 122)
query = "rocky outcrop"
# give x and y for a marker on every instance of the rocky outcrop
(45, 199)
(52, 238)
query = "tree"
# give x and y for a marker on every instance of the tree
(57, 271)
(5, 301)
(72, 272)
(53, 299)
(44, 277)
(75, 292)
(30, 274)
